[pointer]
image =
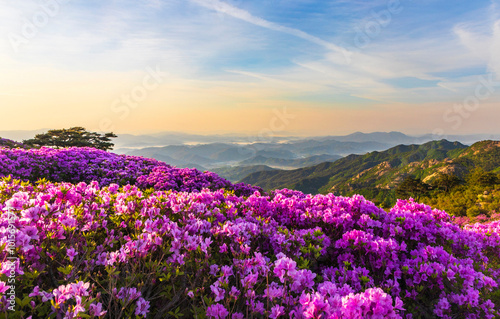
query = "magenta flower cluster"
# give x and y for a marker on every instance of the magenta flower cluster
(121, 252)
(127, 236)
(76, 165)
(165, 177)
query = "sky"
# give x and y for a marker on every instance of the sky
(270, 67)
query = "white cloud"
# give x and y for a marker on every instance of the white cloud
(185, 42)
(237, 13)
(495, 50)
(478, 44)
(483, 44)
(154, 3)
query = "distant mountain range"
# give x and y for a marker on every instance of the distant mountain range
(245, 153)
(384, 170)
(278, 155)
(397, 138)
(177, 138)
(235, 153)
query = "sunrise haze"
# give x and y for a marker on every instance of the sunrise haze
(300, 67)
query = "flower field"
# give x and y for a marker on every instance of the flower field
(90, 234)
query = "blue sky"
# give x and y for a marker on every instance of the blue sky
(338, 66)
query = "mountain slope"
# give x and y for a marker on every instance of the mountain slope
(383, 170)
(236, 173)
(290, 163)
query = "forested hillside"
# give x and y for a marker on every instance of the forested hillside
(378, 175)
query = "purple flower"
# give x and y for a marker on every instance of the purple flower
(96, 310)
(249, 280)
(142, 307)
(284, 266)
(128, 294)
(223, 248)
(234, 292)
(217, 311)
(78, 306)
(31, 232)
(277, 311)
(227, 271)
(80, 288)
(4, 288)
(217, 291)
(71, 253)
(442, 307)
(35, 293)
(213, 270)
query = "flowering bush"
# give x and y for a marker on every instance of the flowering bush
(85, 164)
(165, 177)
(170, 243)
(85, 250)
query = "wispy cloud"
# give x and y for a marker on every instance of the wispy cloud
(237, 13)
(495, 50)
(482, 38)
(223, 54)
(154, 3)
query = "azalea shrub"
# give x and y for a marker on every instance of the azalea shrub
(157, 248)
(85, 164)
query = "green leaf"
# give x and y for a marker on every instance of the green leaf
(25, 301)
(65, 270)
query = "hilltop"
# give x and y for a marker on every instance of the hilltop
(165, 240)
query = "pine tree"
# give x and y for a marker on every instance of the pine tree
(75, 136)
